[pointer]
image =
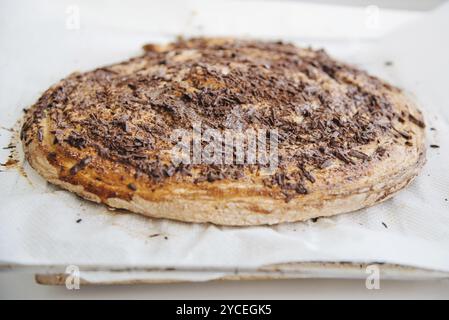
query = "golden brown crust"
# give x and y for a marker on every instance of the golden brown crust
(378, 147)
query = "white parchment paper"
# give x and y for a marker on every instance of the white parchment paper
(40, 43)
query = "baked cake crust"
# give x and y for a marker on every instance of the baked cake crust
(347, 140)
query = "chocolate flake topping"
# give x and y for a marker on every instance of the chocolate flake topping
(358, 154)
(307, 175)
(325, 164)
(40, 135)
(416, 121)
(132, 186)
(126, 112)
(80, 165)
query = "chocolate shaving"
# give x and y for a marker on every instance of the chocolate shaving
(381, 151)
(132, 186)
(416, 121)
(404, 134)
(307, 174)
(126, 112)
(301, 189)
(326, 163)
(358, 154)
(80, 165)
(40, 135)
(76, 140)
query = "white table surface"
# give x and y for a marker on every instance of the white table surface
(22, 286)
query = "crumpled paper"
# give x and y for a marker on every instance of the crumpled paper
(44, 227)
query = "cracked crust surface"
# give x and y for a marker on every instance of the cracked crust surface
(347, 140)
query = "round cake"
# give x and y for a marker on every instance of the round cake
(227, 131)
